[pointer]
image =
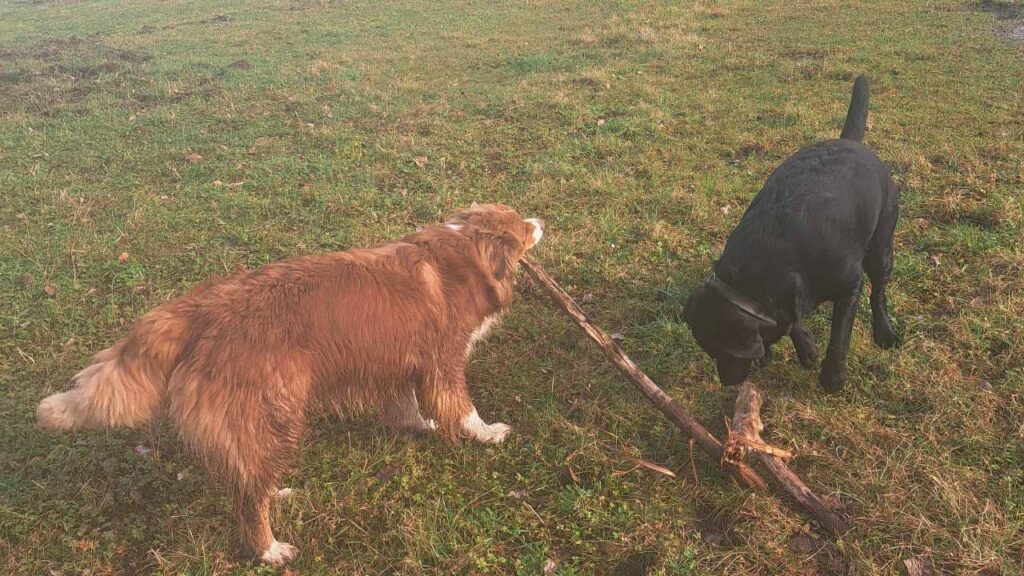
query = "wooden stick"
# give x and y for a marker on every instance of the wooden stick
(738, 470)
(745, 436)
(745, 431)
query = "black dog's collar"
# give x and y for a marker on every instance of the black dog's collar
(738, 300)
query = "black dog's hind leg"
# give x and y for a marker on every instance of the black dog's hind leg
(803, 341)
(833, 371)
(878, 265)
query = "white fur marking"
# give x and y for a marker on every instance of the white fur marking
(481, 332)
(55, 412)
(474, 427)
(538, 232)
(455, 227)
(279, 553)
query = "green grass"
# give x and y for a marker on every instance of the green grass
(639, 132)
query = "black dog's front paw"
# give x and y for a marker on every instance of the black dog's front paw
(808, 356)
(832, 380)
(886, 337)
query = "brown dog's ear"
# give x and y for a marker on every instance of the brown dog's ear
(505, 252)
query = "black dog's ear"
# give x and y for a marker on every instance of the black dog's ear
(747, 345)
(689, 307)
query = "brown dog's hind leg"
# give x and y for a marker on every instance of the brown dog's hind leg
(252, 509)
(249, 440)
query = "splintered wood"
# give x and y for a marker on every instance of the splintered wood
(744, 433)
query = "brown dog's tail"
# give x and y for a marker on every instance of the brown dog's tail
(857, 115)
(125, 384)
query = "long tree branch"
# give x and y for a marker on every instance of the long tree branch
(744, 434)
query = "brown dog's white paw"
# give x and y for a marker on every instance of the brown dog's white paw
(474, 427)
(279, 553)
(496, 433)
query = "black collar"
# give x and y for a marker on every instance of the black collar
(738, 300)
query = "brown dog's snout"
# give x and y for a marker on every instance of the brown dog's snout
(538, 230)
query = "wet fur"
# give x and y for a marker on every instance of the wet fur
(824, 217)
(239, 363)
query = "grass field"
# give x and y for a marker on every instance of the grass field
(147, 145)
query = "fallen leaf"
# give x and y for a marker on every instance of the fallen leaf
(922, 222)
(917, 567)
(86, 545)
(654, 467)
(235, 184)
(833, 503)
(22, 216)
(123, 257)
(194, 157)
(421, 161)
(386, 473)
(50, 290)
(600, 121)
(986, 386)
(217, 183)
(618, 336)
(518, 495)
(143, 450)
(803, 544)
(550, 566)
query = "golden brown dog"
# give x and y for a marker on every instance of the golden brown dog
(239, 362)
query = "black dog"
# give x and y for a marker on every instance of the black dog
(827, 213)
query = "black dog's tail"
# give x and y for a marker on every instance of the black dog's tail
(857, 116)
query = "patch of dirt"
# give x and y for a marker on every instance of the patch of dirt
(715, 526)
(1009, 17)
(638, 564)
(51, 76)
(1002, 10)
(747, 150)
(806, 54)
